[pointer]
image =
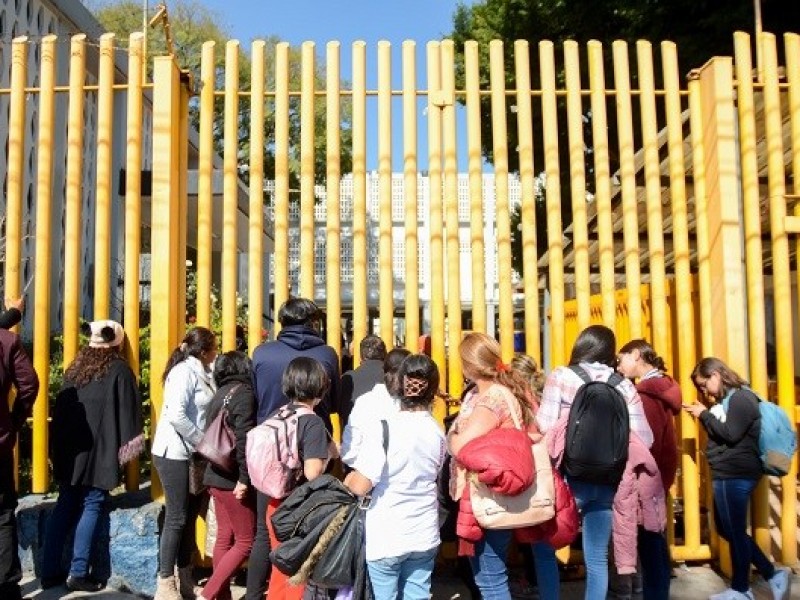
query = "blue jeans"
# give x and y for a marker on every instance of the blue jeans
(594, 503)
(656, 565)
(81, 507)
(407, 576)
(731, 497)
(489, 564)
(547, 578)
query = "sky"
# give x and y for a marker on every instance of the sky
(347, 21)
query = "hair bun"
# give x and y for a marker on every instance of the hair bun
(107, 333)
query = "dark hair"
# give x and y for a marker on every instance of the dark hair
(419, 381)
(195, 342)
(304, 379)
(391, 367)
(91, 364)
(647, 353)
(710, 365)
(372, 348)
(298, 311)
(230, 364)
(596, 343)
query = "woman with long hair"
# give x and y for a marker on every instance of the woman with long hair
(733, 425)
(595, 353)
(97, 428)
(188, 389)
(234, 501)
(500, 398)
(400, 467)
(661, 399)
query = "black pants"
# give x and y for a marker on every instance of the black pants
(259, 566)
(10, 569)
(181, 508)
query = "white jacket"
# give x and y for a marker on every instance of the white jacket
(187, 394)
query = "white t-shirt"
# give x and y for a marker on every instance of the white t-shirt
(404, 514)
(369, 409)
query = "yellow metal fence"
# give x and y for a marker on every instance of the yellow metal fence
(680, 214)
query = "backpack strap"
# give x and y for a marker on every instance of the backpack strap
(580, 372)
(615, 379)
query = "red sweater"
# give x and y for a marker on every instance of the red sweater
(661, 398)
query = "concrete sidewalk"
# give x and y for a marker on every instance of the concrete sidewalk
(688, 583)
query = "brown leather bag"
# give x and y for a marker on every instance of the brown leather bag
(218, 444)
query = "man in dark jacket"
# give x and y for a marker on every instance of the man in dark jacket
(299, 336)
(15, 370)
(359, 381)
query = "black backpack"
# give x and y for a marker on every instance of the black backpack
(598, 429)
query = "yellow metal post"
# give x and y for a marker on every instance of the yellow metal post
(475, 168)
(41, 324)
(360, 265)
(255, 245)
(333, 259)
(230, 201)
(527, 174)
(385, 268)
(307, 199)
(103, 187)
(410, 193)
(205, 171)
(281, 205)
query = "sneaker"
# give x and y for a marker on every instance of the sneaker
(520, 589)
(83, 584)
(731, 594)
(780, 584)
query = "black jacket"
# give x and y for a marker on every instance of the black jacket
(241, 418)
(270, 360)
(16, 370)
(732, 449)
(356, 383)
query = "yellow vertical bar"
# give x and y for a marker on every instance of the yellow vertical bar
(16, 169)
(183, 197)
(652, 182)
(701, 212)
(455, 377)
(165, 228)
(255, 246)
(230, 201)
(577, 174)
(102, 219)
(333, 259)
(205, 170)
(360, 266)
(41, 324)
(281, 284)
(751, 215)
(792, 48)
(307, 171)
(500, 150)
(527, 175)
(683, 289)
(602, 178)
(435, 227)
(781, 277)
(133, 218)
(555, 250)
(385, 271)
(630, 218)
(74, 197)
(410, 192)
(475, 168)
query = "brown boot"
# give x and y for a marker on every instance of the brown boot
(167, 589)
(186, 583)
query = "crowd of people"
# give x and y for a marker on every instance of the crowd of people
(407, 471)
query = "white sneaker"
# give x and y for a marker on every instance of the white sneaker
(731, 594)
(780, 584)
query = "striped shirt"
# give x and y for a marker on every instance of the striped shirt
(563, 383)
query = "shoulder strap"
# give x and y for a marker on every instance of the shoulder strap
(615, 379)
(230, 394)
(385, 426)
(580, 372)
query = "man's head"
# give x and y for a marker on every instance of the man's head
(298, 311)
(372, 348)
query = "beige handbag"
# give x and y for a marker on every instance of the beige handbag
(535, 505)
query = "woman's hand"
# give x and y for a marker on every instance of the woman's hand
(240, 490)
(695, 409)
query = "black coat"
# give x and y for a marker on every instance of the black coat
(91, 424)
(16, 370)
(732, 448)
(356, 383)
(241, 418)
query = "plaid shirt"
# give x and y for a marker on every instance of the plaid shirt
(562, 384)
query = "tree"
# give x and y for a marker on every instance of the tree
(191, 25)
